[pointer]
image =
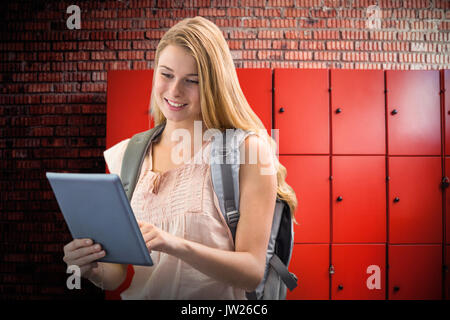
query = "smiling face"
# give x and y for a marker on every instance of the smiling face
(176, 87)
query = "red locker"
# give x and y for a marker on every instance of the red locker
(359, 199)
(302, 115)
(415, 272)
(310, 264)
(257, 87)
(301, 111)
(127, 104)
(413, 112)
(415, 200)
(309, 177)
(359, 271)
(358, 112)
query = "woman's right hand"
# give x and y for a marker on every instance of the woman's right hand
(84, 253)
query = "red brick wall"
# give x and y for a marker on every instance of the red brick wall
(53, 90)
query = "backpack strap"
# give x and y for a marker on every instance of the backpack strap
(231, 211)
(134, 157)
(225, 164)
(289, 279)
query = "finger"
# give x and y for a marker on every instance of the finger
(89, 258)
(143, 224)
(145, 229)
(149, 235)
(79, 253)
(76, 244)
(153, 244)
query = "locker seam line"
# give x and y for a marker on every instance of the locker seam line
(444, 190)
(330, 123)
(387, 184)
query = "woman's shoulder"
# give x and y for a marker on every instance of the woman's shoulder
(258, 153)
(114, 156)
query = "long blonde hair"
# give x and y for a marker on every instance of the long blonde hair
(222, 102)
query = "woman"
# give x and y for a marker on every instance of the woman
(193, 251)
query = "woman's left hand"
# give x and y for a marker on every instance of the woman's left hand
(157, 239)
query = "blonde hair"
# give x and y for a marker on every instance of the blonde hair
(222, 102)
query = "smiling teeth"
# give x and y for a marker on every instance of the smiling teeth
(175, 104)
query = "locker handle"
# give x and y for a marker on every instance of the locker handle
(394, 112)
(281, 110)
(340, 287)
(397, 199)
(338, 110)
(331, 270)
(445, 182)
(339, 198)
(396, 288)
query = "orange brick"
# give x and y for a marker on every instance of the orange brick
(270, 34)
(312, 45)
(298, 55)
(270, 55)
(285, 45)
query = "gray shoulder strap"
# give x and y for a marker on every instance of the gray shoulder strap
(134, 157)
(225, 163)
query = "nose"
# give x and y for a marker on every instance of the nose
(176, 88)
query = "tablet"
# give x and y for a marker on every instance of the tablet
(95, 206)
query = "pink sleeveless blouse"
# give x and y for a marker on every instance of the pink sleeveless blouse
(182, 202)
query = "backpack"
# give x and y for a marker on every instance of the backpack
(224, 164)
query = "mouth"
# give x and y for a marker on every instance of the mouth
(175, 104)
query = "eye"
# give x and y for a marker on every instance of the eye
(192, 81)
(167, 75)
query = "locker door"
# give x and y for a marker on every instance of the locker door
(358, 111)
(359, 199)
(257, 87)
(447, 203)
(446, 97)
(310, 264)
(415, 200)
(301, 111)
(415, 272)
(309, 177)
(127, 104)
(413, 112)
(359, 271)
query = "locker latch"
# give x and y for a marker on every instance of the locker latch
(445, 182)
(331, 270)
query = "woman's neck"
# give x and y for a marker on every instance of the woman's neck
(176, 132)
